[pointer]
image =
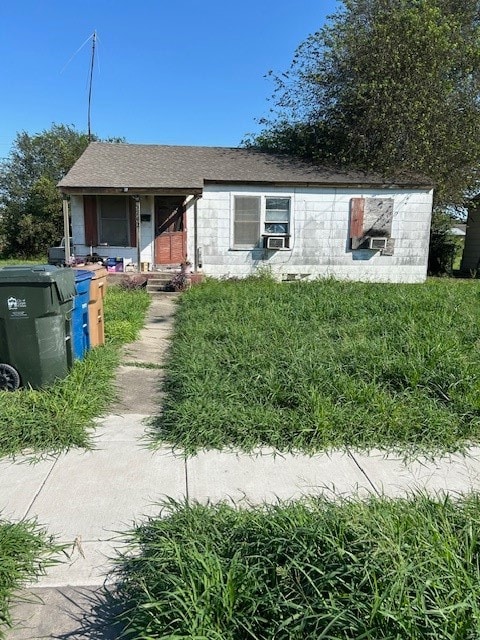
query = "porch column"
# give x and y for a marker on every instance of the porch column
(191, 201)
(138, 227)
(66, 228)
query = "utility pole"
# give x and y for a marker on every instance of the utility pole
(94, 40)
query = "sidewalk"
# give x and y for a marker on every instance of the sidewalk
(87, 499)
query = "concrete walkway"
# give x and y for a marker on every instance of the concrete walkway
(88, 498)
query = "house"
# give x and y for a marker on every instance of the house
(232, 210)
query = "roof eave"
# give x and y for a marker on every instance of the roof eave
(325, 184)
(94, 190)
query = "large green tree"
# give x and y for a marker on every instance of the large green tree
(387, 85)
(30, 204)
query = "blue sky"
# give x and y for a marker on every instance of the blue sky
(166, 72)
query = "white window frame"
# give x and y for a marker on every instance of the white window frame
(263, 196)
(100, 200)
(245, 247)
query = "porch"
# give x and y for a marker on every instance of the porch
(139, 232)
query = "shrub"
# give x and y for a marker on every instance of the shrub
(129, 283)
(443, 246)
(179, 282)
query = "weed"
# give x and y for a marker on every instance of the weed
(125, 314)
(179, 282)
(372, 569)
(11, 262)
(143, 365)
(25, 551)
(133, 282)
(314, 366)
(60, 416)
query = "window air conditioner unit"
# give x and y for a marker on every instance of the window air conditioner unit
(378, 244)
(276, 242)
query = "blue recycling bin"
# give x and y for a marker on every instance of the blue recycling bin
(80, 330)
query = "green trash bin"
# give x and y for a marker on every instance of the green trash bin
(35, 325)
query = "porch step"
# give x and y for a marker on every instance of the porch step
(158, 280)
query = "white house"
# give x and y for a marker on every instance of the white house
(231, 210)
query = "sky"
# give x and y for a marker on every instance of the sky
(166, 72)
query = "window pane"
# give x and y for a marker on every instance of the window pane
(114, 227)
(275, 227)
(113, 206)
(277, 215)
(278, 203)
(115, 233)
(246, 226)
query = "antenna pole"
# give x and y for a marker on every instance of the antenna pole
(94, 38)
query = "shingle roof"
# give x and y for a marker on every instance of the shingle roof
(144, 166)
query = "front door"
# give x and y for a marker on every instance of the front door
(170, 234)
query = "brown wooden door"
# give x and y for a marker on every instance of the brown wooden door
(170, 234)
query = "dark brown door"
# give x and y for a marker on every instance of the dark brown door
(170, 234)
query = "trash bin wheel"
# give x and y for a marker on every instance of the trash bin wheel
(9, 378)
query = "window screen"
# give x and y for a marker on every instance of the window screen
(246, 225)
(114, 225)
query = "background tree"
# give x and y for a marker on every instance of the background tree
(30, 204)
(443, 245)
(387, 85)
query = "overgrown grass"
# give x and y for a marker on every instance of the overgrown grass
(124, 314)
(10, 262)
(314, 569)
(25, 551)
(312, 366)
(60, 416)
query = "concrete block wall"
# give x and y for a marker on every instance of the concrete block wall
(320, 235)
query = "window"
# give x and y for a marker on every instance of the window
(114, 221)
(246, 225)
(255, 217)
(277, 216)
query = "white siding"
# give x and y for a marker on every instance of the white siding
(78, 225)
(319, 228)
(320, 219)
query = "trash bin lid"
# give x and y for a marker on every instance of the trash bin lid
(62, 277)
(97, 270)
(82, 274)
(31, 273)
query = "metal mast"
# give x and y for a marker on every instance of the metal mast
(94, 39)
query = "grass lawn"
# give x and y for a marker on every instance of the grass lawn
(25, 551)
(11, 262)
(60, 416)
(327, 364)
(315, 569)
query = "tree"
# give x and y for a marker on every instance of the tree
(30, 204)
(443, 246)
(387, 85)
